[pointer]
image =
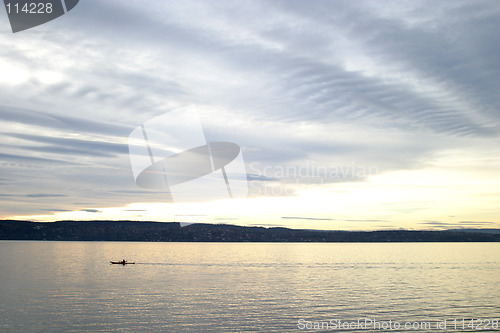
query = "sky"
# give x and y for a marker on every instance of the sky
(350, 115)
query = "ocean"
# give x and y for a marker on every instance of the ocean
(248, 287)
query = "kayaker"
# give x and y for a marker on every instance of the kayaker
(123, 261)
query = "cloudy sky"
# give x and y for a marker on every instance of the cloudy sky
(354, 115)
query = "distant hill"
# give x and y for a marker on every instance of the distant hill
(172, 232)
(487, 231)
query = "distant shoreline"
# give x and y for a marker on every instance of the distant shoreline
(137, 231)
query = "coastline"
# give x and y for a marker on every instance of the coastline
(136, 231)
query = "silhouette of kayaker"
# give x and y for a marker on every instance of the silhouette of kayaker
(123, 262)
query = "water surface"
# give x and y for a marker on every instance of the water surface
(235, 287)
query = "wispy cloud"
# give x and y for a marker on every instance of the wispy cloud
(475, 223)
(266, 225)
(305, 218)
(90, 210)
(44, 195)
(458, 225)
(365, 220)
(190, 215)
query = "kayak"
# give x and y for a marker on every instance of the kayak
(122, 263)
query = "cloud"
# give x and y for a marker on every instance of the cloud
(44, 195)
(433, 222)
(59, 121)
(260, 178)
(365, 220)
(190, 215)
(90, 210)
(70, 146)
(17, 159)
(395, 54)
(306, 218)
(34, 195)
(458, 225)
(475, 222)
(266, 225)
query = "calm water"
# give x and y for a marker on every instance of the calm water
(221, 287)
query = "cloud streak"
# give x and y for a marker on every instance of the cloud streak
(306, 218)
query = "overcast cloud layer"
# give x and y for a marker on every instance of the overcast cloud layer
(353, 89)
